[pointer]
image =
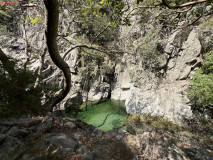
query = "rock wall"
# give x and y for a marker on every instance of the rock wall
(163, 96)
(161, 92)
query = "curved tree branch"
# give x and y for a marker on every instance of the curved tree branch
(100, 33)
(111, 53)
(165, 3)
(51, 29)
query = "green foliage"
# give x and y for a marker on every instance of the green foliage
(150, 54)
(201, 89)
(17, 93)
(207, 23)
(4, 30)
(106, 69)
(34, 20)
(151, 1)
(207, 65)
(135, 123)
(96, 18)
(151, 48)
(117, 6)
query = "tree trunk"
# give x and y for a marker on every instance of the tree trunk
(26, 40)
(51, 29)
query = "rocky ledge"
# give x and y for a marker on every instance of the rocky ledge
(42, 138)
(38, 138)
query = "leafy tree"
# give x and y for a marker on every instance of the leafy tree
(18, 95)
(201, 89)
(52, 18)
(117, 8)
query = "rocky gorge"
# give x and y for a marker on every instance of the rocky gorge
(39, 138)
(151, 74)
(144, 92)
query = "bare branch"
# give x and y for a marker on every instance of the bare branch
(147, 7)
(197, 19)
(164, 2)
(65, 39)
(100, 33)
(111, 53)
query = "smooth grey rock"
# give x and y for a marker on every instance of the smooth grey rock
(83, 149)
(47, 122)
(88, 156)
(90, 128)
(63, 140)
(98, 91)
(33, 122)
(11, 149)
(47, 71)
(78, 135)
(71, 125)
(119, 137)
(198, 153)
(185, 73)
(162, 61)
(122, 132)
(38, 157)
(25, 157)
(98, 153)
(15, 121)
(171, 64)
(16, 132)
(33, 129)
(93, 134)
(108, 158)
(2, 137)
(125, 83)
(175, 155)
(66, 151)
(100, 142)
(98, 132)
(111, 133)
(3, 128)
(75, 97)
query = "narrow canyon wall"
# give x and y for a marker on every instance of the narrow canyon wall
(159, 92)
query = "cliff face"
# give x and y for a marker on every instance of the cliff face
(159, 89)
(156, 87)
(144, 92)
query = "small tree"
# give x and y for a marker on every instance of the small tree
(201, 89)
(18, 95)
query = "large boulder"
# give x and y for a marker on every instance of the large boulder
(11, 149)
(16, 132)
(66, 143)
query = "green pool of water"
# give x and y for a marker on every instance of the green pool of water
(109, 115)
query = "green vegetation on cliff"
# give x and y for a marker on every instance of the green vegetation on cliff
(201, 89)
(18, 96)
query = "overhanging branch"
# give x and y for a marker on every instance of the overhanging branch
(165, 3)
(111, 53)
